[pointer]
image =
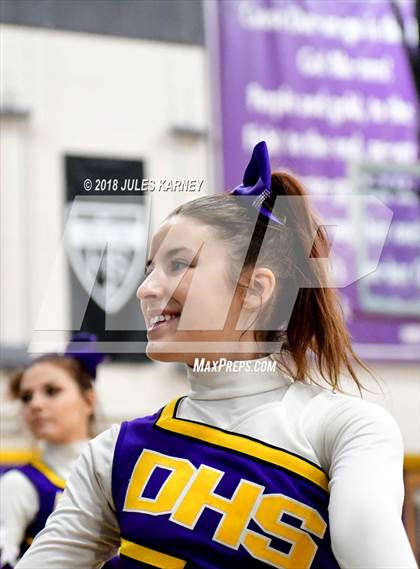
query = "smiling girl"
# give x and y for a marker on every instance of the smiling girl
(253, 468)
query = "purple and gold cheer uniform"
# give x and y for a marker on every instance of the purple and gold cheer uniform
(195, 496)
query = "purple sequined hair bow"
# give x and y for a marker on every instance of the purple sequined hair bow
(257, 182)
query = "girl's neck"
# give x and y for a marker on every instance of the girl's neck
(234, 378)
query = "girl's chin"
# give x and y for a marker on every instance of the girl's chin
(46, 436)
(164, 356)
(161, 352)
(47, 433)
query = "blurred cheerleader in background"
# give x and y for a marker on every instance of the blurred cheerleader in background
(58, 404)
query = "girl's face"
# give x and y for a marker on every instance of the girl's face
(54, 408)
(187, 283)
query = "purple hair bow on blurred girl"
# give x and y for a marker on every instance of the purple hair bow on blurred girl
(257, 182)
(82, 348)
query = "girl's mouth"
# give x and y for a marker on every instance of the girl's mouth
(162, 322)
(39, 421)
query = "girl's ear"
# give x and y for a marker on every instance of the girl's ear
(260, 288)
(90, 399)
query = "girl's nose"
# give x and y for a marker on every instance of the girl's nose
(151, 287)
(37, 402)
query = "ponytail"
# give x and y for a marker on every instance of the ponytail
(316, 328)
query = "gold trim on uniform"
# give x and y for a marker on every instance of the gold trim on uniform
(48, 473)
(242, 444)
(150, 556)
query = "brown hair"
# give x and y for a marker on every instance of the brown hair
(316, 329)
(71, 365)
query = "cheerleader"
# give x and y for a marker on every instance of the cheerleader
(58, 401)
(255, 467)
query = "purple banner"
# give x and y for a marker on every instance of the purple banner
(329, 86)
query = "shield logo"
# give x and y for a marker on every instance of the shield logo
(106, 243)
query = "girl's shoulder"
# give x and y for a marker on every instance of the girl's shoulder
(336, 423)
(14, 479)
(14, 483)
(104, 444)
(325, 403)
(101, 449)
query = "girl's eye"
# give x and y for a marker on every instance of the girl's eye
(51, 390)
(26, 397)
(175, 265)
(179, 265)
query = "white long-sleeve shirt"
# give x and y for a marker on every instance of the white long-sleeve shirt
(356, 443)
(19, 499)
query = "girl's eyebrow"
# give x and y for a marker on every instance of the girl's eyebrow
(171, 253)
